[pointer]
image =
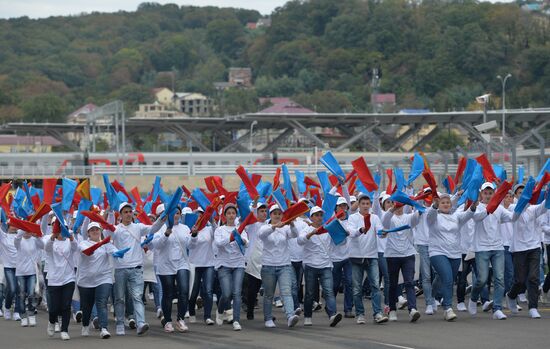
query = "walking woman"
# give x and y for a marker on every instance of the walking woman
(61, 280)
(173, 270)
(229, 264)
(444, 246)
(95, 279)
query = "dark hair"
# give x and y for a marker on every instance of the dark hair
(365, 197)
(229, 207)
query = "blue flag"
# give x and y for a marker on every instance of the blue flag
(58, 211)
(525, 195)
(399, 178)
(329, 205)
(238, 240)
(287, 184)
(403, 198)
(394, 230)
(95, 194)
(324, 181)
(545, 168)
(300, 177)
(336, 231)
(280, 199)
(200, 198)
(69, 187)
(156, 189)
(521, 174)
(190, 219)
(84, 205)
(333, 166)
(417, 166)
(171, 206)
(243, 203)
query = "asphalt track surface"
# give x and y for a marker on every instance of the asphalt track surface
(429, 332)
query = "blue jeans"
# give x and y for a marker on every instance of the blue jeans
(341, 271)
(314, 277)
(169, 282)
(12, 291)
(98, 296)
(359, 267)
(297, 291)
(26, 293)
(129, 280)
(284, 276)
(425, 273)
(231, 283)
(446, 269)
(508, 269)
(203, 283)
(496, 259)
(383, 270)
(406, 266)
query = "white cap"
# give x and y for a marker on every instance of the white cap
(303, 199)
(487, 185)
(199, 209)
(315, 209)
(274, 207)
(260, 204)
(124, 204)
(94, 225)
(160, 209)
(384, 198)
(382, 193)
(352, 198)
(186, 210)
(340, 201)
(443, 195)
(75, 213)
(427, 189)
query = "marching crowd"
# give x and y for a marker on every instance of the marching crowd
(298, 251)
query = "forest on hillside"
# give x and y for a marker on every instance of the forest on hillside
(432, 54)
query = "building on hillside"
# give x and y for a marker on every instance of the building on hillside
(264, 22)
(251, 25)
(193, 104)
(282, 105)
(240, 77)
(157, 110)
(383, 102)
(164, 96)
(27, 144)
(80, 115)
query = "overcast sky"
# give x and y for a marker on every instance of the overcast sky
(46, 8)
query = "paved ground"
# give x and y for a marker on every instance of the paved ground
(429, 332)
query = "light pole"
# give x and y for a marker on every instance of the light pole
(503, 82)
(254, 123)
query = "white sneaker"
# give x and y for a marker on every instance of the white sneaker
(65, 336)
(298, 311)
(293, 320)
(393, 315)
(512, 304)
(487, 306)
(209, 322)
(278, 303)
(181, 326)
(50, 330)
(534, 313)
(472, 307)
(168, 328)
(499, 315)
(307, 321)
(16, 317)
(193, 319)
(429, 310)
(104, 334)
(186, 316)
(237, 326)
(228, 315)
(32, 321)
(120, 330)
(142, 329)
(335, 319)
(519, 307)
(401, 302)
(24, 322)
(361, 320)
(159, 313)
(380, 318)
(219, 319)
(151, 296)
(78, 317)
(461, 307)
(57, 327)
(449, 315)
(85, 332)
(414, 315)
(1, 313)
(522, 298)
(270, 324)
(7, 314)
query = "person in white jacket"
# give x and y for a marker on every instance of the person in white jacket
(173, 270)
(444, 246)
(230, 264)
(544, 222)
(8, 253)
(364, 259)
(318, 267)
(94, 278)
(28, 248)
(400, 255)
(525, 247)
(276, 266)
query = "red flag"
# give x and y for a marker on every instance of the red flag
(295, 211)
(41, 211)
(136, 196)
(26, 226)
(338, 215)
(429, 177)
(48, 185)
(94, 217)
(277, 178)
(366, 222)
(250, 219)
(364, 174)
(499, 196)
(143, 217)
(119, 188)
(203, 220)
(256, 178)
(315, 194)
(186, 191)
(488, 171)
(209, 181)
(310, 182)
(460, 169)
(389, 188)
(247, 182)
(536, 193)
(352, 185)
(350, 175)
(90, 250)
(4, 190)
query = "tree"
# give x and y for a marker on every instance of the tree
(226, 36)
(44, 108)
